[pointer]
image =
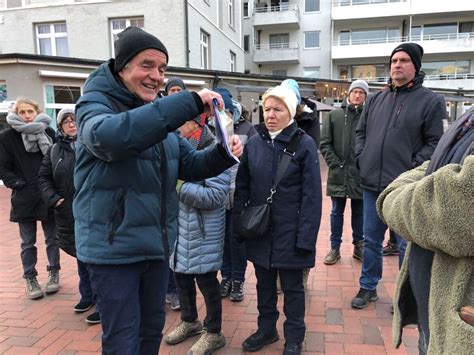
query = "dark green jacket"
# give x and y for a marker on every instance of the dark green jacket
(337, 148)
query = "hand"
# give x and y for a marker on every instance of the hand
(59, 203)
(206, 97)
(237, 147)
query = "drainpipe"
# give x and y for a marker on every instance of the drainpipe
(186, 32)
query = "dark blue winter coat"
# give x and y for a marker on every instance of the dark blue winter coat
(127, 166)
(296, 207)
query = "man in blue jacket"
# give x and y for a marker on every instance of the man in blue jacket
(398, 130)
(128, 159)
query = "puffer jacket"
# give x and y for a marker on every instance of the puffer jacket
(398, 130)
(200, 244)
(55, 180)
(337, 147)
(128, 159)
(296, 207)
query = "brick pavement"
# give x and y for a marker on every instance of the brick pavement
(49, 325)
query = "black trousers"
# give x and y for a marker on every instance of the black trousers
(293, 305)
(210, 289)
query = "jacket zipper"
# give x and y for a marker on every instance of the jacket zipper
(163, 174)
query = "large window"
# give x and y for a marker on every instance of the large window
(280, 40)
(311, 5)
(204, 44)
(119, 24)
(311, 72)
(370, 72)
(369, 36)
(59, 97)
(311, 39)
(230, 12)
(233, 59)
(439, 31)
(447, 69)
(279, 72)
(51, 39)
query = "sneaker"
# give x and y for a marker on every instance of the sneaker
(237, 292)
(390, 249)
(183, 331)
(33, 289)
(174, 301)
(357, 254)
(207, 344)
(93, 318)
(258, 340)
(52, 286)
(225, 287)
(82, 307)
(292, 348)
(332, 257)
(363, 298)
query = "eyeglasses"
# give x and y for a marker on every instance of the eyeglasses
(68, 122)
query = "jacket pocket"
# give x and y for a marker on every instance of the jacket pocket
(117, 216)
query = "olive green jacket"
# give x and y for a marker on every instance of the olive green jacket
(435, 212)
(337, 148)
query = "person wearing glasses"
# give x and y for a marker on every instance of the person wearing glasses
(56, 184)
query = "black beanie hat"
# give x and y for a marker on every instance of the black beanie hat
(174, 81)
(415, 51)
(130, 42)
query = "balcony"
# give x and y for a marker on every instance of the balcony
(276, 53)
(382, 47)
(284, 16)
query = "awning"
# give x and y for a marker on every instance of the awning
(457, 98)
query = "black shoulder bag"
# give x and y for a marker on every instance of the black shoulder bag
(255, 221)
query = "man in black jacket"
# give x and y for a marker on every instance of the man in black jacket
(398, 130)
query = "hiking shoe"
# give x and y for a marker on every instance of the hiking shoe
(33, 289)
(390, 249)
(52, 286)
(82, 307)
(258, 340)
(183, 331)
(237, 291)
(207, 344)
(363, 298)
(93, 318)
(292, 348)
(174, 301)
(225, 287)
(332, 257)
(357, 254)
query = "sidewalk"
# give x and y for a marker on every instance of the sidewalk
(49, 325)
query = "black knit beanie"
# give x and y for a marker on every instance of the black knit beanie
(174, 81)
(415, 51)
(130, 42)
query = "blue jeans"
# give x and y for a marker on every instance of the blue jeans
(85, 288)
(337, 221)
(374, 232)
(171, 283)
(132, 305)
(234, 261)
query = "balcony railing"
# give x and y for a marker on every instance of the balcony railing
(445, 37)
(336, 3)
(278, 8)
(292, 45)
(384, 79)
(356, 42)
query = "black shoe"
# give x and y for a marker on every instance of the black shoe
(258, 340)
(357, 254)
(390, 249)
(82, 307)
(225, 287)
(292, 348)
(237, 292)
(93, 318)
(363, 298)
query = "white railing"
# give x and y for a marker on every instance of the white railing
(384, 79)
(336, 3)
(444, 36)
(292, 45)
(278, 8)
(417, 38)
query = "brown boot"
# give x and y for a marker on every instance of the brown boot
(357, 254)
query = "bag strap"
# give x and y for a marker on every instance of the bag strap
(288, 153)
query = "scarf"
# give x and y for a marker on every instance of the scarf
(276, 133)
(33, 134)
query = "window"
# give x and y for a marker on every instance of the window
(344, 38)
(279, 72)
(311, 72)
(246, 9)
(233, 59)
(59, 97)
(311, 39)
(204, 44)
(311, 5)
(377, 72)
(280, 40)
(119, 24)
(439, 31)
(447, 69)
(51, 39)
(230, 12)
(14, 3)
(368, 36)
(246, 43)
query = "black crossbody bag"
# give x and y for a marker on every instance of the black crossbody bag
(255, 221)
